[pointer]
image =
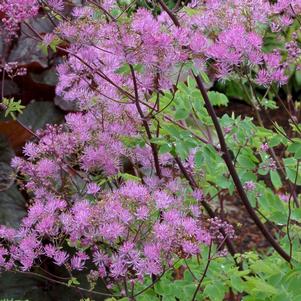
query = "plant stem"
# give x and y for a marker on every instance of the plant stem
(227, 158)
(204, 273)
(146, 125)
(207, 207)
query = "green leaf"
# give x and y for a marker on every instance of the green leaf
(237, 283)
(210, 153)
(275, 178)
(124, 69)
(198, 159)
(298, 78)
(181, 150)
(291, 170)
(138, 68)
(205, 77)
(115, 12)
(183, 88)
(215, 291)
(189, 290)
(246, 162)
(268, 104)
(73, 281)
(166, 298)
(260, 266)
(129, 177)
(217, 98)
(233, 90)
(222, 181)
(12, 107)
(163, 287)
(295, 148)
(296, 214)
(258, 285)
(181, 114)
(191, 82)
(165, 148)
(172, 130)
(275, 140)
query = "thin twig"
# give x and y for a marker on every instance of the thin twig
(290, 214)
(65, 284)
(227, 158)
(204, 273)
(145, 124)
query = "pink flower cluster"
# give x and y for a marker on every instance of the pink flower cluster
(81, 202)
(227, 35)
(134, 230)
(93, 140)
(130, 232)
(15, 12)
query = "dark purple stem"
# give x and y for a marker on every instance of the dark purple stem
(227, 158)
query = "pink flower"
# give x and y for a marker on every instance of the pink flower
(78, 261)
(198, 194)
(60, 257)
(50, 250)
(190, 248)
(249, 186)
(163, 200)
(264, 147)
(92, 188)
(47, 168)
(142, 213)
(57, 5)
(30, 150)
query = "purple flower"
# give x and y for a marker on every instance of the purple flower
(152, 251)
(50, 250)
(112, 231)
(47, 168)
(190, 248)
(46, 225)
(135, 191)
(264, 147)
(78, 261)
(189, 225)
(284, 197)
(118, 267)
(30, 150)
(163, 200)
(198, 194)
(92, 188)
(249, 186)
(60, 257)
(57, 5)
(3, 253)
(100, 258)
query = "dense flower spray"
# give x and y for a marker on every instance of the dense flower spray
(14, 12)
(83, 209)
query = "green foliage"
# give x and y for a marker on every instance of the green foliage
(12, 107)
(53, 44)
(73, 281)
(217, 98)
(125, 69)
(263, 278)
